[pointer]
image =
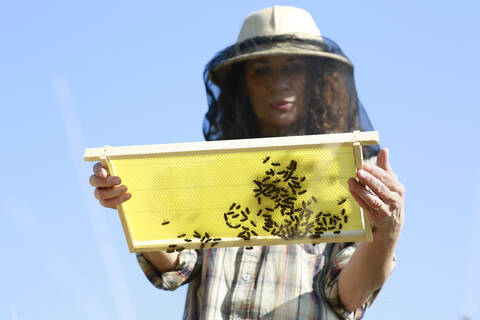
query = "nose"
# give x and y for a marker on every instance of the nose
(279, 82)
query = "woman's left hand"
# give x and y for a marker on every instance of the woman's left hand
(383, 200)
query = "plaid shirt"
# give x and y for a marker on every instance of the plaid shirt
(271, 282)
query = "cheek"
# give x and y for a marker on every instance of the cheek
(301, 93)
(256, 94)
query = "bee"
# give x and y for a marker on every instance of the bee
(266, 178)
(337, 232)
(214, 244)
(266, 229)
(343, 212)
(259, 200)
(172, 246)
(225, 217)
(232, 206)
(302, 192)
(245, 228)
(259, 212)
(341, 201)
(275, 164)
(302, 179)
(269, 209)
(254, 233)
(233, 217)
(170, 250)
(207, 235)
(188, 240)
(181, 235)
(196, 234)
(165, 222)
(314, 199)
(294, 165)
(180, 249)
(253, 223)
(233, 227)
(238, 207)
(345, 219)
(266, 159)
(217, 239)
(292, 188)
(249, 248)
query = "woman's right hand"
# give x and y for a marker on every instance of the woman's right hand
(108, 190)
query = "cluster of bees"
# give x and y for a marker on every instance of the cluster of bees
(204, 239)
(281, 213)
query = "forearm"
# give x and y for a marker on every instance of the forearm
(367, 270)
(162, 260)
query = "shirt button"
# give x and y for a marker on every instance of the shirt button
(246, 277)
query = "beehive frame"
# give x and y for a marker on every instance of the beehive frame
(244, 192)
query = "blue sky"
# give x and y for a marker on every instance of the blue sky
(86, 74)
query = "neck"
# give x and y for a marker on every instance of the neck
(277, 131)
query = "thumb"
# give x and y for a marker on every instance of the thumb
(382, 160)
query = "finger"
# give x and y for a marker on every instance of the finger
(377, 186)
(370, 200)
(100, 170)
(389, 178)
(357, 198)
(104, 182)
(115, 202)
(109, 193)
(369, 212)
(382, 160)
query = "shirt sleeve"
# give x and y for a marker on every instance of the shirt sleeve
(339, 258)
(189, 263)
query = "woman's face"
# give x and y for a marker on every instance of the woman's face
(276, 88)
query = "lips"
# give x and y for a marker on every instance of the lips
(282, 105)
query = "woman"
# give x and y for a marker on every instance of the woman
(282, 78)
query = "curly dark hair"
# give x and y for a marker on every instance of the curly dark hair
(332, 101)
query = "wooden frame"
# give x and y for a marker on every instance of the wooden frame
(140, 237)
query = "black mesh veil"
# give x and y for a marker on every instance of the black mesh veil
(331, 100)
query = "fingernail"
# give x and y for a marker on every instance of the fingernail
(128, 196)
(361, 173)
(366, 166)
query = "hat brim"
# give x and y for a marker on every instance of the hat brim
(220, 71)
